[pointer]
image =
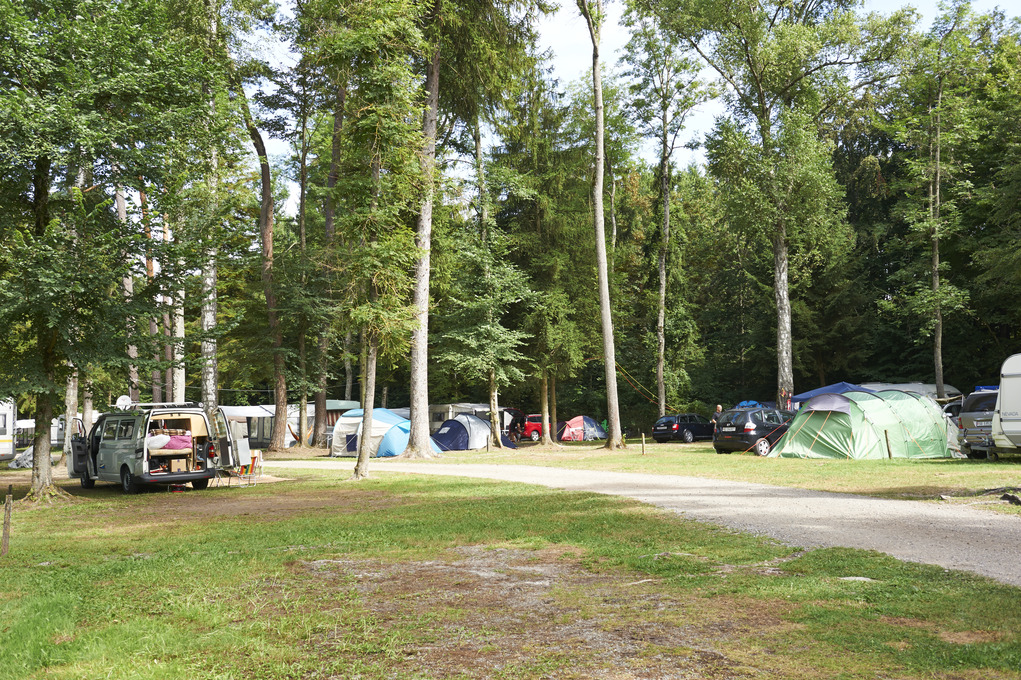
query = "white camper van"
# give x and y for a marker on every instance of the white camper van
(153, 444)
(1006, 426)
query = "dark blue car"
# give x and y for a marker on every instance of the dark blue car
(685, 427)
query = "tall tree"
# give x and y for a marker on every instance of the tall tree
(74, 108)
(773, 58)
(666, 87)
(593, 15)
(938, 123)
(483, 45)
(541, 170)
(382, 178)
(266, 222)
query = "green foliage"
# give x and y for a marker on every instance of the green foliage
(476, 343)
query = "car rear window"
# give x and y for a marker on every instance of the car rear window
(731, 418)
(665, 420)
(979, 401)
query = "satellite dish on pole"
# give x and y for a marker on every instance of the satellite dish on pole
(123, 402)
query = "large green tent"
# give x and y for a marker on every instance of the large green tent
(887, 424)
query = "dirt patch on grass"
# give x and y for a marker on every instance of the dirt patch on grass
(954, 637)
(495, 613)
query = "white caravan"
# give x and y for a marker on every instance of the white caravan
(1007, 417)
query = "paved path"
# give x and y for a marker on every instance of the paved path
(947, 535)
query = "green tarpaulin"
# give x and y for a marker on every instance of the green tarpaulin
(887, 424)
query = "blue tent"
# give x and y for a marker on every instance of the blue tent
(748, 403)
(396, 440)
(389, 437)
(836, 388)
(466, 432)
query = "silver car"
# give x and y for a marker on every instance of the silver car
(976, 421)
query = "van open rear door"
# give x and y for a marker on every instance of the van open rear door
(1008, 411)
(224, 442)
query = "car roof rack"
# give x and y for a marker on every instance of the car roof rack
(165, 404)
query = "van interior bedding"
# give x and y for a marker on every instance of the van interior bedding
(186, 435)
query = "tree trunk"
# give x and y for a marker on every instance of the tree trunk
(553, 406)
(302, 244)
(495, 426)
(784, 351)
(934, 216)
(418, 444)
(168, 356)
(664, 247)
(277, 439)
(46, 338)
(42, 464)
(209, 378)
(70, 411)
(178, 349)
(323, 342)
(87, 408)
(128, 285)
(614, 439)
(349, 376)
(547, 438)
(364, 440)
(174, 330)
(156, 375)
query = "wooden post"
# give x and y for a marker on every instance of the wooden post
(7, 519)
(643, 443)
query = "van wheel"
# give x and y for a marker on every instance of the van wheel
(762, 447)
(199, 484)
(128, 482)
(87, 482)
(535, 435)
(687, 436)
(992, 455)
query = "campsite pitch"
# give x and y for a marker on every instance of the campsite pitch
(423, 577)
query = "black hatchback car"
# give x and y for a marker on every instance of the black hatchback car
(686, 427)
(750, 429)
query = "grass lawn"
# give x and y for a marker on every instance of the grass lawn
(419, 577)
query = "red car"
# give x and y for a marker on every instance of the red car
(533, 427)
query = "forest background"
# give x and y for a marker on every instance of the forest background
(850, 214)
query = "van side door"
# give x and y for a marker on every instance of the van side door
(224, 441)
(106, 445)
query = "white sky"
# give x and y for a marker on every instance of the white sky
(566, 34)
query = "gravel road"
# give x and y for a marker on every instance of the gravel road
(946, 535)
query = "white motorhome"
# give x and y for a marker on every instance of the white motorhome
(7, 424)
(1006, 427)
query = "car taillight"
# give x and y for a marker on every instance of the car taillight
(674, 426)
(749, 426)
